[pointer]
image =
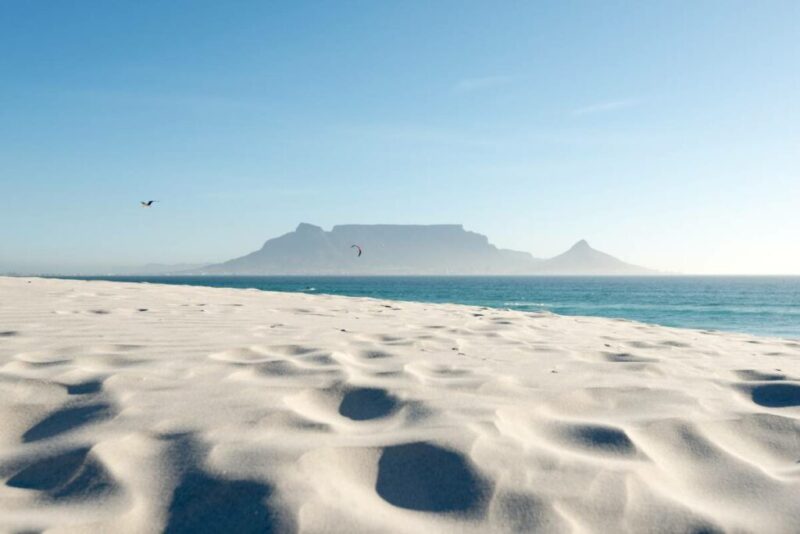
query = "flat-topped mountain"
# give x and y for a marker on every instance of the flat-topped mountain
(439, 249)
(388, 249)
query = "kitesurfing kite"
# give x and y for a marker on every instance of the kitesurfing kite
(357, 248)
(147, 203)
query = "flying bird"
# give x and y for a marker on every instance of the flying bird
(358, 248)
(147, 203)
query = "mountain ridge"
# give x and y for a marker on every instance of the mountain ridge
(389, 249)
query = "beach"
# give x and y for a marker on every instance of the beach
(147, 408)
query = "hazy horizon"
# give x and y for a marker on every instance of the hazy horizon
(192, 268)
(664, 134)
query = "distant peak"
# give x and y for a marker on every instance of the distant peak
(305, 227)
(582, 244)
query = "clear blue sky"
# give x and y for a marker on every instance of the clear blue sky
(666, 133)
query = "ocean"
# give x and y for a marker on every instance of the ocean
(762, 305)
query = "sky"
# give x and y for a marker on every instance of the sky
(664, 133)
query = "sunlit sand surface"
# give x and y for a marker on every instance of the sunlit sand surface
(146, 408)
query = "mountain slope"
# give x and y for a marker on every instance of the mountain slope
(583, 259)
(388, 249)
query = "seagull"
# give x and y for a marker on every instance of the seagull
(147, 203)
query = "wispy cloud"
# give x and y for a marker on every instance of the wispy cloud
(470, 85)
(603, 107)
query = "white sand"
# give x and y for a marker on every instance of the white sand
(139, 408)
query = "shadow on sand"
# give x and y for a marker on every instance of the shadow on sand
(67, 419)
(776, 395)
(205, 504)
(73, 474)
(422, 476)
(367, 403)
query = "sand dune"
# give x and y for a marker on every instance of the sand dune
(144, 408)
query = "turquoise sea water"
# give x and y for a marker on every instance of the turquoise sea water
(756, 305)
